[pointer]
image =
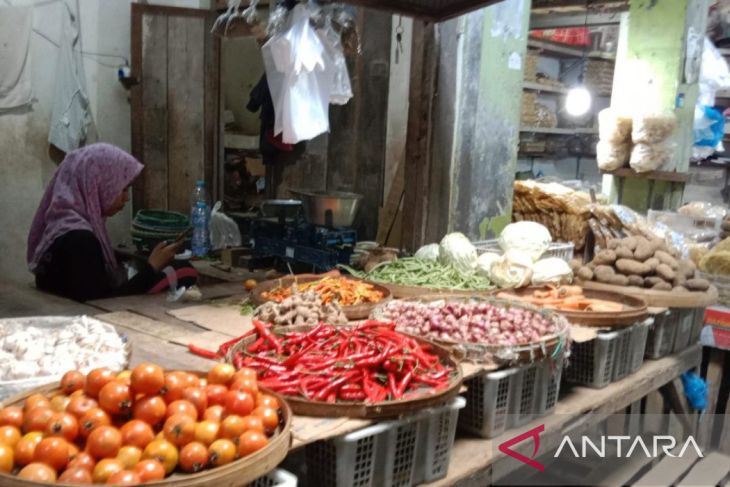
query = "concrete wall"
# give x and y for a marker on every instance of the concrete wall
(25, 167)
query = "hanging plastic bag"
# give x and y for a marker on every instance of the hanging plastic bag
(341, 88)
(223, 230)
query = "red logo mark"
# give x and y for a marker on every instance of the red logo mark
(534, 433)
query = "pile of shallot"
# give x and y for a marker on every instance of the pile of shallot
(469, 321)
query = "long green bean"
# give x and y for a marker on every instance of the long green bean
(423, 273)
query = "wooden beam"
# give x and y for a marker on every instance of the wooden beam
(671, 176)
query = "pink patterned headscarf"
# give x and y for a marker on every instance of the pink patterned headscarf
(85, 185)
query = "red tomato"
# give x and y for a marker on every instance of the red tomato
(137, 433)
(76, 475)
(52, 452)
(83, 460)
(175, 383)
(124, 477)
(191, 380)
(147, 379)
(93, 418)
(97, 379)
(267, 400)
(197, 397)
(150, 470)
(252, 422)
(11, 416)
(239, 402)
(72, 381)
(179, 429)
(246, 385)
(150, 409)
(64, 425)
(193, 457)
(59, 402)
(245, 373)
(38, 472)
(181, 406)
(232, 427)
(115, 398)
(104, 442)
(214, 413)
(251, 441)
(37, 419)
(221, 374)
(221, 452)
(36, 401)
(80, 405)
(9, 435)
(206, 432)
(216, 394)
(25, 448)
(7, 458)
(105, 469)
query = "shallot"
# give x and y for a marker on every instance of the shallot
(469, 321)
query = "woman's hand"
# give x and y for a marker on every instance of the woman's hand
(163, 254)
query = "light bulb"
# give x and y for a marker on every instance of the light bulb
(578, 101)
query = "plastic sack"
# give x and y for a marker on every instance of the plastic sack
(614, 127)
(429, 252)
(653, 127)
(650, 157)
(610, 156)
(714, 74)
(223, 230)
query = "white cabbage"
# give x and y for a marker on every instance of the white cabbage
(552, 270)
(457, 250)
(484, 263)
(513, 269)
(430, 252)
(528, 237)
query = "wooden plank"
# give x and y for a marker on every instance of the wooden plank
(424, 62)
(18, 300)
(148, 326)
(213, 152)
(136, 105)
(669, 469)
(671, 393)
(708, 471)
(577, 409)
(223, 317)
(713, 377)
(154, 116)
(677, 177)
(185, 101)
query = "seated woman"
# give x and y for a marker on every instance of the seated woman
(69, 250)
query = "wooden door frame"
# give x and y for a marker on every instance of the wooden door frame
(211, 131)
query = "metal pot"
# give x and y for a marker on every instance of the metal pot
(334, 209)
(282, 209)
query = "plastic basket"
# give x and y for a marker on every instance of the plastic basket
(275, 478)
(661, 336)
(685, 320)
(436, 434)
(699, 323)
(592, 363)
(562, 250)
(396, 453)
(345, 461)
(487, 402)
(639, 335)
(509, 398)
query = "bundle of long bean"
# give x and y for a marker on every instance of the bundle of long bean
(423, 273)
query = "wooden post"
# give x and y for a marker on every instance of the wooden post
(653, 73)
(463, 126)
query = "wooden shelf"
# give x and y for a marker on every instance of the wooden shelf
(554, 49)
(579, 408)
(552, 155)
(671, 176)
(559, 131)
(533, 86)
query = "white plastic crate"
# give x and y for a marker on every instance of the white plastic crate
(275, 478)
(436, 434)
(562, 250)
(395, 457)
(592, 363)
(673, 331)
(509, 398)
(345, 461)
(630, 350)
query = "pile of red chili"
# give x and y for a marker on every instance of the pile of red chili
(371, 362)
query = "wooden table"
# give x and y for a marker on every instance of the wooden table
(144, 318)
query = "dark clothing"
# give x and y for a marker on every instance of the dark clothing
(74, 267)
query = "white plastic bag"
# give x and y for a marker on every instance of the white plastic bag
(650, 157)
(613, 126)
(653, 127)
(341, 88)
(223, 230)
(299, 74)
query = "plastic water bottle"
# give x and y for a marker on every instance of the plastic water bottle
(199, 217)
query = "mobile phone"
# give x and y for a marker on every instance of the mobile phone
(183, 235)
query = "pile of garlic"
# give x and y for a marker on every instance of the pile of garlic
(84, 343)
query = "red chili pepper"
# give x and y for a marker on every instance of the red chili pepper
(334, 385)
(209, 354)
(265, 332)
(393, 387)
(405, 381)
(352, 395)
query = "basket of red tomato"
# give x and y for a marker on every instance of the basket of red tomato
(174, 428)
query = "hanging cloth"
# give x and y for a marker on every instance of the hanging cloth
(16, 24)
(72, 124)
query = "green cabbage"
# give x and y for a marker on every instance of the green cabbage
(430, 252)
(455, 249)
